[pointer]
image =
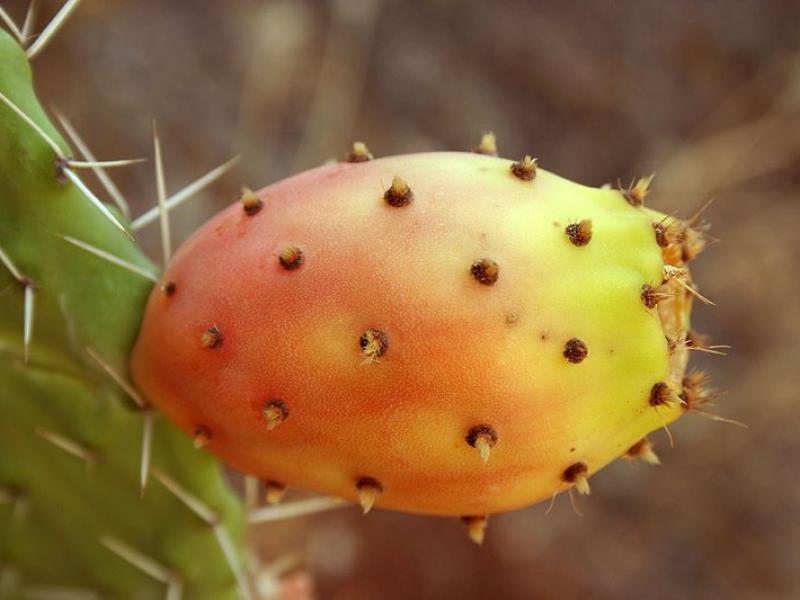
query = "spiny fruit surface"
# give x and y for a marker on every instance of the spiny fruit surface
(443, 333)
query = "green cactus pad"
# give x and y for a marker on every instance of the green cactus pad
(70, 438)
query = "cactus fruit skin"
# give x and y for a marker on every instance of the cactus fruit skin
(56, 509)
(441, 333)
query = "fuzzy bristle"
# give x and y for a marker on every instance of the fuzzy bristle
(485, 271)
(580, 233)
(358, 153)
(525, 168)
(201, 437)
(643, 450)
(636, 193)
(212, 337)
(488, 145)
(399, 193)
(274, 492)
(374, 343)
(483, 438)
(275, 412)
(476, 527)
(251, 204)
(369, 490)
(576, 473)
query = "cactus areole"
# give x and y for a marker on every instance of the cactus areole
(442, 333)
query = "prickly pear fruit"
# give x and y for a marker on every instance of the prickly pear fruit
(444, 333)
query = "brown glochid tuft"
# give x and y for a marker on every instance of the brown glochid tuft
(574, 472)
(660, 394)
(662, 239)
(580, 233)
(488, 145)
(636, 193)
(291, 257)
(481, 432)
(575, 350)
(275, 412)
(373, 343)
(358, 153)
(525, 168)
(485, 271)
(201, 436)
(169, 288)
(212, 337)
(251, 204)
(398, 194)
(650, 296)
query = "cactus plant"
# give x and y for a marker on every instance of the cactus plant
(444, 333)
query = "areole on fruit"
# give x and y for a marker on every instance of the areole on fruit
(477, 345)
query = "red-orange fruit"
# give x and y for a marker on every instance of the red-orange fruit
(430, 333)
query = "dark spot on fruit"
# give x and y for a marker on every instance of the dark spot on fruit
(574, 472)
(651, 296)
(575, 350)
(488, 145)
(373, 343)
(485, 271)
(358, 153)
(661, 234)
(481, 432)
(169, 288)
(275, 412)
(398, 194)
(524, 168)
(291, 257)
(251, 204)
(580, 233)
(212, 337)
(660, 394)
(201, 436)
(370, 483)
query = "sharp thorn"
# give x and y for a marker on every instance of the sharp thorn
(27, 330)
(181, 196)
(39, 131)
(232, 558)
(104, 164)
(98, 204)
(147, 443)
(250, 492)
(138, 559)
(163, 213)
(52, 28)
(12, 26)
(102, 176)
(119, 379)
(30, 20)
(192, 502)
(111, 258)
(292, 510)
(67, 445)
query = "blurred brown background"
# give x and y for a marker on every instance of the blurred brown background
(705, 93)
